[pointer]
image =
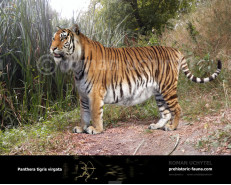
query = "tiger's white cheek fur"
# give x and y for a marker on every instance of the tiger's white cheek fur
(77, 54)
(70, 58)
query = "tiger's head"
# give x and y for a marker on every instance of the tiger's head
(66, 48)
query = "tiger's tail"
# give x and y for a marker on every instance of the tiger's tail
(187, 72)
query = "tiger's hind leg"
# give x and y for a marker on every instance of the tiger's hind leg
(169, 109)
(176, 111)
(165, 113)
(171, 100)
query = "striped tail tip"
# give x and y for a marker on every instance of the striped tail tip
(219, 65)
(190, 76)
(214, 75)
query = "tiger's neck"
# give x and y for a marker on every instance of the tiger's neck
(91, 48)
(93, 54)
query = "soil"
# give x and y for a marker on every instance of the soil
(134, 138)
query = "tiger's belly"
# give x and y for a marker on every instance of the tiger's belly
(127, 98)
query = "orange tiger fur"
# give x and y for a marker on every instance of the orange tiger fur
(124, 76)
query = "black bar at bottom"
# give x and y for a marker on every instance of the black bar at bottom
(115, 169)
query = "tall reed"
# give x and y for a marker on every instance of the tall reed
(26, 94)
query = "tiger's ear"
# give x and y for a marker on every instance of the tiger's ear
(58, 28)
(75, 28)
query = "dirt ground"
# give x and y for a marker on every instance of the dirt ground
(133, 138)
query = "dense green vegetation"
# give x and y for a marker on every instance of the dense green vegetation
(143, 15)
(36, 105)
(26, 94)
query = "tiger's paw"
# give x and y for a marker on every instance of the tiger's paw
(169, 127)
(92, 130)
(153, 126)
(78, 129)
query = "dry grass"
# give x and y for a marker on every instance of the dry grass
(204, 35)
(204, 31)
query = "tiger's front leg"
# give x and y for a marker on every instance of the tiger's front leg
(96, 108)
(85, 116)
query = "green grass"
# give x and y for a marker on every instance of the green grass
(38, 136)
(147, 110)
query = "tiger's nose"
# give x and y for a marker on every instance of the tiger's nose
(53, 48)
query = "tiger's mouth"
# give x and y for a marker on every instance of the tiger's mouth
(56, 55)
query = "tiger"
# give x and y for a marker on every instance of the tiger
(123, 76)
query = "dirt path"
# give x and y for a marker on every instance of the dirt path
(133, 138)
